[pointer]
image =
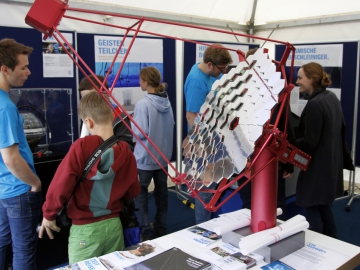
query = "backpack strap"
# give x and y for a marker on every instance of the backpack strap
(96, 155)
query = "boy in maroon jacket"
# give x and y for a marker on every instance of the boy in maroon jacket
(95, 203)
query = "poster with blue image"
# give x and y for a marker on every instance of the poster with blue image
(143, 53)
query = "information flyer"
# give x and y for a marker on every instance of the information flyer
(56, 62)
(312, 257)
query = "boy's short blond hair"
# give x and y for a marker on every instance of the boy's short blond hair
(95, 107)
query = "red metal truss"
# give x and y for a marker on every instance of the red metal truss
(45, 15)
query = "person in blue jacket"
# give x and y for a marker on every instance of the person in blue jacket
(154, 115)
(197, 85)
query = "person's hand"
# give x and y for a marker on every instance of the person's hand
(48, 226)
(286, 175)
(37, 187)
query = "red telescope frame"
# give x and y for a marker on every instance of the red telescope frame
(45, 15)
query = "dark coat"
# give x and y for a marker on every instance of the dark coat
(288, 167)
(321, 134)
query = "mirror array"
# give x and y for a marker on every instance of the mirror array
(231, 120)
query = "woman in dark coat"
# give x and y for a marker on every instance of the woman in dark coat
(321, 134)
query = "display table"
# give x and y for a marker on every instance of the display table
(173, 240)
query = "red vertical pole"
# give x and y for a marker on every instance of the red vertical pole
(264, 191)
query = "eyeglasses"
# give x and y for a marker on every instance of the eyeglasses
(222, 70)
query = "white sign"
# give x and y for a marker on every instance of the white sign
(200, 49)
(56, 62)
(144, 52)
(325, 55)
(143, 49)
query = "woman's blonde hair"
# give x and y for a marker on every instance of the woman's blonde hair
(314, 71)
(152, 76)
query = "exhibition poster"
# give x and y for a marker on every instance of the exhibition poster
(56, 62)
(144, 52)
(330, 56)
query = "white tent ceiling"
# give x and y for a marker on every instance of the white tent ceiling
(294, 21)
(234, 14)
(239, 12)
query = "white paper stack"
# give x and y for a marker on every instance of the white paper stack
(264, 238)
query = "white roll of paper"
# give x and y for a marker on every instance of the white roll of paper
(264, 241)
(283, 226)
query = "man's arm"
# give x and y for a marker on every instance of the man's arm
(18, 167)
(190, 117)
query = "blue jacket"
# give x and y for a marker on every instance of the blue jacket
(154, 115)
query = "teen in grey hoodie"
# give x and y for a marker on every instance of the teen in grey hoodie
(154, 116)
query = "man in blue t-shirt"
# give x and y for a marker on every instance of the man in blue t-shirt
(20, 187)
(197, 85)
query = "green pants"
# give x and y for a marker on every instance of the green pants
(95, 239)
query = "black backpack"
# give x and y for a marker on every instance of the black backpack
(122, 132)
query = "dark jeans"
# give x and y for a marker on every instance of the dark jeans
(321, 220)
(201, 214)
(161, 202)
(19, 217)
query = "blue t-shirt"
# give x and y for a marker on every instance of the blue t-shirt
(197, 86)
(11, 132)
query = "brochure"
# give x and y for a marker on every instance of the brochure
(119, 259)
(313, 257)
(171, 259)
(90, 264)
(199, 235)
(218, 252)
(228, 257)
